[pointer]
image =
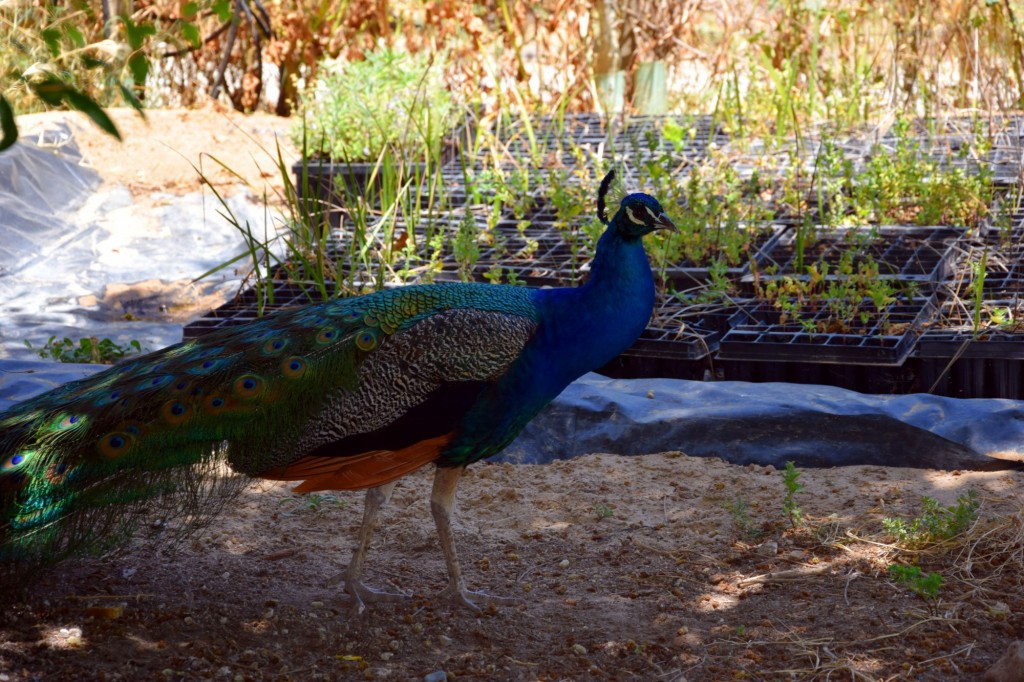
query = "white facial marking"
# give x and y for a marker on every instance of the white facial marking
(633, 218)
(650, 213)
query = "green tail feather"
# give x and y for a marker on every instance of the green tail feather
(80, 466)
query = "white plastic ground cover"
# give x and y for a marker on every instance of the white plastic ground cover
(813, 426)
(66, 241)
(41, 187)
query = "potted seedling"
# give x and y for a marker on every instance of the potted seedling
(372, 129)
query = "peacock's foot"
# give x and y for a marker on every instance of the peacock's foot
(461, 597)
(362, 595)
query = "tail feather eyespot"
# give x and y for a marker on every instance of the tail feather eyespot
(58, 473)
(367, 340)
(293, 367)
(69, 421)
(249, 386)
(16, 461)
(274, 346)
(116, 445)
(175, 412)
(327, 336)
(215, 403)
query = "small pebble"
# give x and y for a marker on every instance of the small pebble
(579, 649)
(436, 676)
(564, 563)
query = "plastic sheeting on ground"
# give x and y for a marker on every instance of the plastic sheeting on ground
(78, 259)
(41, 186)
(742, 423)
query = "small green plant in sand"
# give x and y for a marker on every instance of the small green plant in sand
(88, 350)
(790, 507)
(924, 585)
(936, 523)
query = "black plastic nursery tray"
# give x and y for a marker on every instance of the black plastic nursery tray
(336, 184)
(762, 241)
(924, 255)
(882, 338)
(244, 308)
(962, 364)
(631, 138)
(559, 145)
(529, 251)
(969, 377)
(952, 143)
(678, 344)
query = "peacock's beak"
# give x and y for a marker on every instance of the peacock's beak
(664, 223)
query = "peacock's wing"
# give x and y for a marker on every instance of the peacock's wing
(267, 394)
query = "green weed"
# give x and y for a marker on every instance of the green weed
(789, 504)
(936, 523)
(924, 585)
(740, 511)
(88, 350)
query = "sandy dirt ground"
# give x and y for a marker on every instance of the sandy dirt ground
(660, 567)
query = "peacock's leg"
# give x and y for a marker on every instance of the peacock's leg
(353, 575)
(442, 499)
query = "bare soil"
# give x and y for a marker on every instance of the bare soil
(624, 568)
(660, 567)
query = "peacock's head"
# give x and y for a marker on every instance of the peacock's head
(638, 213)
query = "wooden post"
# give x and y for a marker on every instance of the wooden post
(649, 88)
(608, 73)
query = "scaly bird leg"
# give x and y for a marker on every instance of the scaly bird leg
(442, 499)
(353, 575)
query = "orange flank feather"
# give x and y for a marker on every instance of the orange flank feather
(364, 470)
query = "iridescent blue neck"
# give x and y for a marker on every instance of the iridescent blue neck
(592, 324)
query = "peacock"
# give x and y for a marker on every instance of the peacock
(347, 394)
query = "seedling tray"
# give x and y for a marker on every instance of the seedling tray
(530, 252)
(885, 337)
(969, 377)
(950, 142)
(687, 274)
(244, 308)
(954, 335)
(679, 343)
(906, 253)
